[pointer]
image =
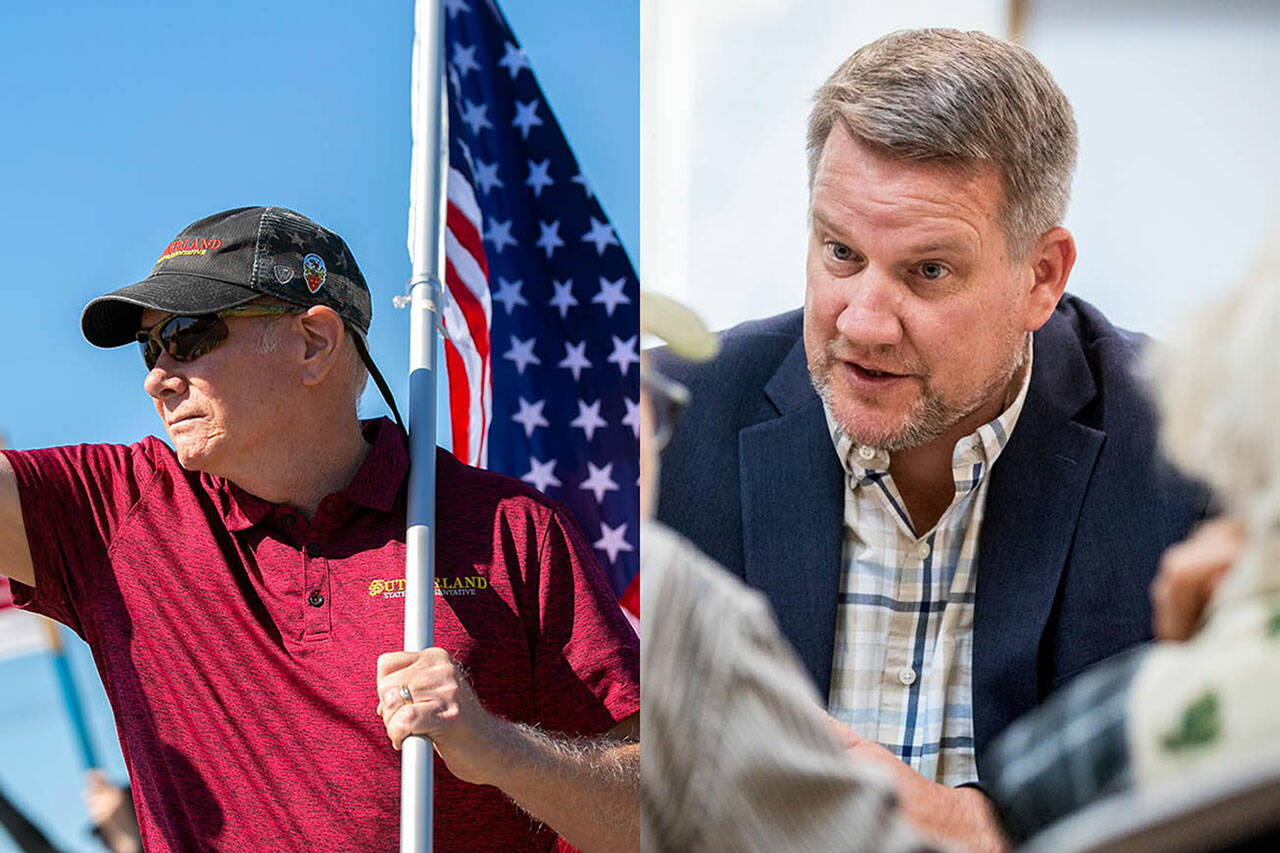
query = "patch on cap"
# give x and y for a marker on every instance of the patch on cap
(283, 274)
(190, 246)
(314, 271)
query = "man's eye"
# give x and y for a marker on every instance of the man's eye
(839, 251)
(932, 271)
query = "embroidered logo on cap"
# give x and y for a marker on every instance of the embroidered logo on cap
(283, 274)
(314, 272)
(192, 246)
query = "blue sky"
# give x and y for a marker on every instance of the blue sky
(124, 122)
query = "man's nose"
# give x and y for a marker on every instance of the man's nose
(162, 380)
(872, 315)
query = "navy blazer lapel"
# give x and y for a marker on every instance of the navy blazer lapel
(1033, 503)
(792, 506)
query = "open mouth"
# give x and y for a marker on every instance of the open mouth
(867, 374)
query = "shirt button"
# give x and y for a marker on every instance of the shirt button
(315, 599)
(867, 452)
(923, 550)
(907, 676)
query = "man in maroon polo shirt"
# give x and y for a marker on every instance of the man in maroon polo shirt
(241, 591)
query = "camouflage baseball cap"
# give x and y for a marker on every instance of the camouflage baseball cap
(230, 258)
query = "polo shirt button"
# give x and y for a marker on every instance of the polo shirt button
(923, 550)
(907, 676)
(867, 452)
(315, 599)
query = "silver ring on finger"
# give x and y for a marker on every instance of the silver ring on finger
(405, 694)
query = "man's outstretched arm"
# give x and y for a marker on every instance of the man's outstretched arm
(15, 554)
(586, 789)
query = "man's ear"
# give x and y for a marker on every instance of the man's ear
(321, 329)
(1049, 265)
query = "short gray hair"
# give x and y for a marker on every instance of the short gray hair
(354, 373)
(959, 98)
(357, 372)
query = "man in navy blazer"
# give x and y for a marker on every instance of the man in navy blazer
(940, 168)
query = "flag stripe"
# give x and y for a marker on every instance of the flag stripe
(462, 196)
(471, 274)
(472, 412)
(468, 241)
(471, 336)
(459, 399)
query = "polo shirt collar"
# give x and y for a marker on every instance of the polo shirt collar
(375, 485)
(378, 481)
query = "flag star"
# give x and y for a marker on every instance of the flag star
(575, 358)
(526, 117)
(541, 474)
(513, 60)
(550, 239)
(588, 419)
(487, 176)
(464, 58)
(456, 6)
(538, 177)
(530, 416)
(624, 352)
(601, 234)
(632, 418)
(564, 298)
(499, 234)
(613, 540)
(521, 353)
(582, 180)
(456, 82)
(611, 295)
(599, 482)
(509, 294)
(475, 116)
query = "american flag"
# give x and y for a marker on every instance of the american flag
(542, 312)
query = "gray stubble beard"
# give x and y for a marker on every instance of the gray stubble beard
(930, 417)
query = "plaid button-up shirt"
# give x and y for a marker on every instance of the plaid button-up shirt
(902, 671)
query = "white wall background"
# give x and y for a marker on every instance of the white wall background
(1177, 180)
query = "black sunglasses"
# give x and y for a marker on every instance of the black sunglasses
(187, 337)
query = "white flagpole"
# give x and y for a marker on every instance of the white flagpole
(426, 250)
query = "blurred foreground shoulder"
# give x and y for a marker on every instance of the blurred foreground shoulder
(736, 753)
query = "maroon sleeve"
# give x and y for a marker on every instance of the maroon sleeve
(73, 500)
(587, 656)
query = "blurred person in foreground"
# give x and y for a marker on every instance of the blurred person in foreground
(1206, 696)
(940, 472)
(242, 591)
(737, 754)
